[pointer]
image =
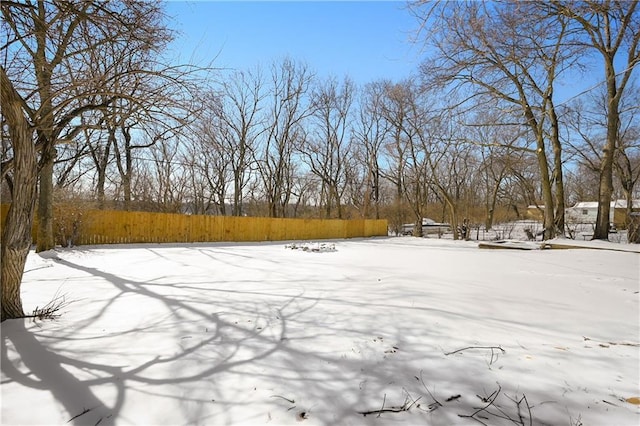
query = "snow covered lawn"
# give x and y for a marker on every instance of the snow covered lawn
(379, 331)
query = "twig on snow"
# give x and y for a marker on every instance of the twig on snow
(494, 355)
(435, 404)
(408, 403)
(476, 347)
(84, 411)
(632, 344)
(291, 401)
(484, 413)
(520, 416)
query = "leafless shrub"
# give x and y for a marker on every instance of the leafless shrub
(51, 310)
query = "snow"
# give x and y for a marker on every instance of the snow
(426, 331)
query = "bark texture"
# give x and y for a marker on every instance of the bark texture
(16, 234)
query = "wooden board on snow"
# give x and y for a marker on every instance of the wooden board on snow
(510, 244)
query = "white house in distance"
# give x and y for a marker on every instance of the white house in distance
(587, 211)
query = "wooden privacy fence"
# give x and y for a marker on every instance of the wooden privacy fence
(113, 227)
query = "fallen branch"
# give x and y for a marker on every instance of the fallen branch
(291, 401)
(476, 347)
(520, 416)
(435, 404)
(494, 355)
(384, 410)
(489, 400)
(484, 413)
(408, 403)
(84, 411)
(635, 345)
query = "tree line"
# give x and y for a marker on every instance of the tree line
(92, 110)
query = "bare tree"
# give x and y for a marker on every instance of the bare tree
(582, 183)
(211, 162)
(498, 158)
(16, 234)
(157, 103)
(170, 193)
(627, 157)
(406, 163)
(510, 53)
(326, 148)
(451, 163)
(286, 110)
(370, 131)
(627, 169)
(47, 40)
(240, 127)
(588, 121)
(612, 29)
(39, 105)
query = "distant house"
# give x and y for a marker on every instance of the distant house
(587, 211)
(584, 212)
(619, 208)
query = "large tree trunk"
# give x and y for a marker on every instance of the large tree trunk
(237, 192)
(606, 168)
(557, 172)
(417, 226)
(45, 239)
(547, 195)
(491, 206)
(604, 202)
(16, 234)
(43, 74)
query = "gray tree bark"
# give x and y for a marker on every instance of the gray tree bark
(16, 234)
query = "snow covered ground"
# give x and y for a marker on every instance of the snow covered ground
(380, 331)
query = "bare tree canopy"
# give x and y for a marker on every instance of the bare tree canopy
(61, 61)
(612, 29)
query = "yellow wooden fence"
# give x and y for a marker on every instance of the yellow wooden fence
(113, 227)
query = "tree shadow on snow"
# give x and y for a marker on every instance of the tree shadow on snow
(327, 358)
(37, 357)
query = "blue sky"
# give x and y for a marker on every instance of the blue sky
(364, 40)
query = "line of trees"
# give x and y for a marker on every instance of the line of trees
(75, 70)
(91, 111)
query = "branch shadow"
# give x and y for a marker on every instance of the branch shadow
(46, 372)
(37, 359)
(237, 350)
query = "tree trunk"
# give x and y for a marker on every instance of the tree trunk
(547, 194)
(491, 206)
(237, 192)
(604, 199)
(16, 234)
(128, 168)
(45, 240)
(453, 212)
(606, 168)
(376, 191)
(557, 172)
(417, 226)
(43, 74)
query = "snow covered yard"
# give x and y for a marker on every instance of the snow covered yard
(371, 332)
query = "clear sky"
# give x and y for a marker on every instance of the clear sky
(366, 40)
